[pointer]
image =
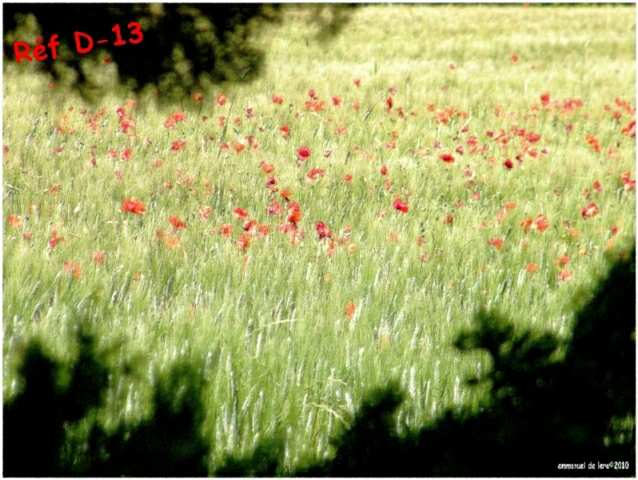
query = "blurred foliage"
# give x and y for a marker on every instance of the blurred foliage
(51, 427)
(185, 48)
(552, 401)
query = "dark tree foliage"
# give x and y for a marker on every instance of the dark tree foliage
(184, 48)
(167, 444)
(34, 420)
(38, 421)
(551, 402)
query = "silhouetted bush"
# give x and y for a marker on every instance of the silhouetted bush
(265, 461)
(38, 421)
(169, 443)
(35, 419)
(551, 402)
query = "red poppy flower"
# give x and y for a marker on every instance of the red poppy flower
(400, 205)
(73, 269)
(532, 137)
(496, 243)
(240, 213)
(226, 230)
(176, 222)
(250, 139)
(629, 184)
(55, 239)
(277, 99)
(286, 194)
(323, 231)
(133, 205)
(178, 145)
(127, 154)
(14, 221)
(197, 97)
(562, 260)
(388, 104)
(566, 275)
(540, 223)
(303, 152)
(589, 211)
(275, 208)
(350, 310)
(597, 187)
(446, 157)
(249, 225)
(178, 117)
(244, 241)
(315, 173)
(384, 170)
(98, 257)
(294, 212)
(531, 267)
(221, 100)
(336, 101)
(545, 97)
(267, 167)
(263, 230)
(357, 82)
(238, 147)
(629, 129)
(314, 105)
(285, 130)
(347, 178)
(448, 219)
(514, 58)
(593, 142)
(508, 164)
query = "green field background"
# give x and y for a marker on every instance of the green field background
(269, 324)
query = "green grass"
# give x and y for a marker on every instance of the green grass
(269, 324)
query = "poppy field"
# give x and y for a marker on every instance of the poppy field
(333, 225)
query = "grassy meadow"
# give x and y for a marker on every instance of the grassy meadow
(456, 157)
